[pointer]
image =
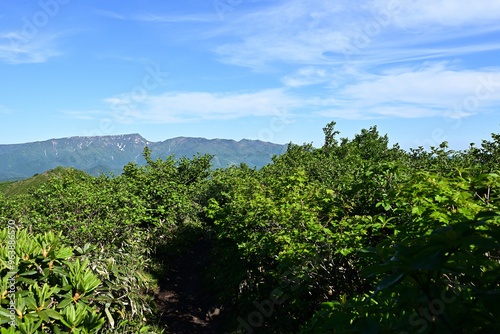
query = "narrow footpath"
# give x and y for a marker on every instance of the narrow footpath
(186, 308)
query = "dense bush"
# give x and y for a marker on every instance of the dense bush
(352, 237)
(118, 229)
(299, 231)
(437, 271)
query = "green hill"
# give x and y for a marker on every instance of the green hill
(16, 188)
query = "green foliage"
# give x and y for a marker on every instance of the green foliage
(49, 289)
(298, 220)
(116, 226)
(88, 210)
(436, 268)
(442, 282)
(167, 187)
(305, 224)
(352, 237)
(23, 187)
(58, 286)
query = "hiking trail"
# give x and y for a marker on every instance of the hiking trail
(186, 308)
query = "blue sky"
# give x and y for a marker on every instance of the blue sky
(423, 71)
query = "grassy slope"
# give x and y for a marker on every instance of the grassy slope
(15, 188)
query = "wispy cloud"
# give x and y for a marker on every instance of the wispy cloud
(425, 14)
(391, 54)
(368, 59)
(174, 18)
(371, 31)
(431, 83)
(15, 48)
(158, 18)
(180, 107)
(309, 75)
(111, 14)
(344, 46)
(435, 89)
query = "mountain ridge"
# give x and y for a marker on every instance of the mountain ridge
(108, 154)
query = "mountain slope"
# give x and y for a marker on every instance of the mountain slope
(15, 188)
(110, 153)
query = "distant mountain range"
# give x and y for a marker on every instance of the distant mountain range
(110, 153)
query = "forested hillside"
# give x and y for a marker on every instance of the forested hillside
(352, 237)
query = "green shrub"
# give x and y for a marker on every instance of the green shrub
(49, 288)
(56, 288)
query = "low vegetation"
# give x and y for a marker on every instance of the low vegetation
(24, 187)
(352, 237)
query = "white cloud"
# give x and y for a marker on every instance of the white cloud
(377, 112)
(447, 13)
(288, 32)
(183, 107)
(180, 107)
(111, 14)
(435, 89)
(430, 90)
(318, 32)
(307, 76)
(339, 46)
(19, 48)
(174, 18)
(157, 18)
(433, 83)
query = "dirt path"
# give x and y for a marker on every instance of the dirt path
(186, 308)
